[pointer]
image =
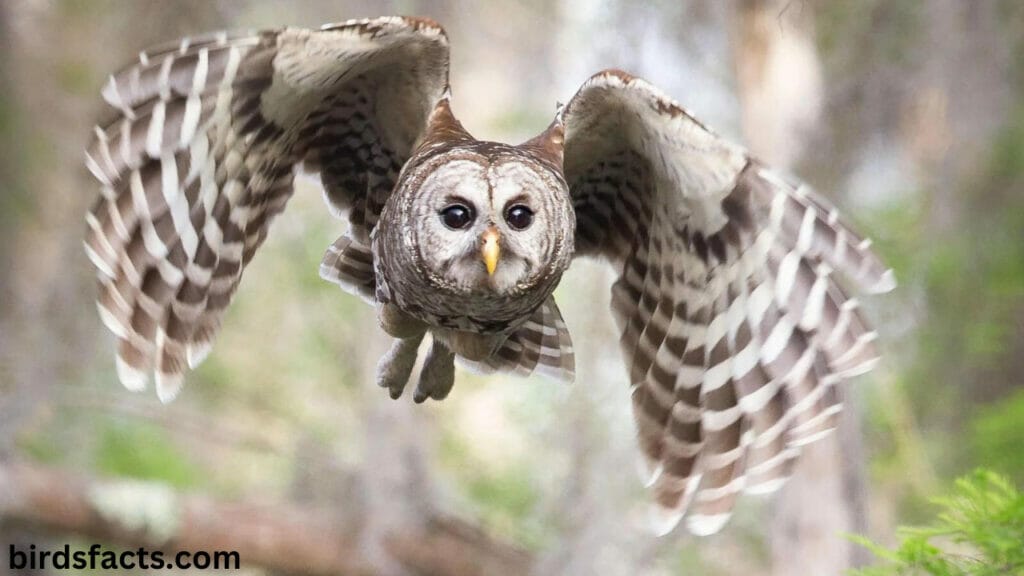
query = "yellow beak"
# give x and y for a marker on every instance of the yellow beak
(490, 250)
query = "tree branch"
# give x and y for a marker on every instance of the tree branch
(280, 537)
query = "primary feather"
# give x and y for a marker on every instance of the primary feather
(201, 155)
(734, 330)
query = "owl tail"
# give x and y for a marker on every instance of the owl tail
(541, 345)
(349, 264)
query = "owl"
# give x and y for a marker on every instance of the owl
(734, 328)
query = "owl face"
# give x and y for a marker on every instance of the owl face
(490, 224)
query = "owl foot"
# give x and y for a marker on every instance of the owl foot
(437, 375)
(395, 366)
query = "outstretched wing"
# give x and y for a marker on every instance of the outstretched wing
(201, 154)
(734, 329)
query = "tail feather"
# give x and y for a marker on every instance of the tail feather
(349, 264)
(541, 345)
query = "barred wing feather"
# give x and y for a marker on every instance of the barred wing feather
(200, 156)
(734, 328)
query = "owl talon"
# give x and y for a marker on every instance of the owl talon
(438, 374)
(396, 365)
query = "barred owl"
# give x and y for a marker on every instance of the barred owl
(734, 330)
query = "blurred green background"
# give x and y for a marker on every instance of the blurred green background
(908, 113)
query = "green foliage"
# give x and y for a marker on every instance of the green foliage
(980, 277)
(839, 22)
(997, 436)
(41, 448)
(15, 201)
(972, 276)
(979, 532)
(1008, 152)
(75, 77)
(503, 496)
(507, 498)
(995, 258)
(142, 450)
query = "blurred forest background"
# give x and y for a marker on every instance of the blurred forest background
(908, 113)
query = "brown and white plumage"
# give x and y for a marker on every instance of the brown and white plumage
(201, 157)
(734, 330)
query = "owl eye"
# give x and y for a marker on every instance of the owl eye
(457, 216)
(519, 217)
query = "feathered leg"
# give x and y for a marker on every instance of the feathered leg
(438, 374)
(395, 367)
(398, 323)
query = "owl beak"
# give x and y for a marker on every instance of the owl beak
(490, 250)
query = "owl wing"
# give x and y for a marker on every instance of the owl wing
(201, 153)
(733, 326)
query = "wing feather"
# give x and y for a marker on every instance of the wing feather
(199, 157)
(734, 329)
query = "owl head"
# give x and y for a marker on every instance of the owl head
(482, 219)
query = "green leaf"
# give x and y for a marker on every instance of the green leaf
(979, 531)
(143, 450)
